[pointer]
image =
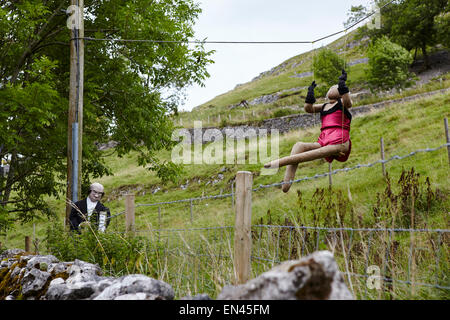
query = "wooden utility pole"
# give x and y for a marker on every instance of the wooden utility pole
(242, 231)
(75, 116)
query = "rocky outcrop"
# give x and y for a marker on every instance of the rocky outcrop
(32, 277)
(314, 277)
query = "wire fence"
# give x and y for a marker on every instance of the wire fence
(377, 263)
(395, 255)
(191, 201)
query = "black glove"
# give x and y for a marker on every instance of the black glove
(342, 87)
(310, 96)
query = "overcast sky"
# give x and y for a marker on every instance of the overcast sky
(257, 20)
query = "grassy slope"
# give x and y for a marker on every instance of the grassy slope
(218, 111)
(272, 83)
(404, 127)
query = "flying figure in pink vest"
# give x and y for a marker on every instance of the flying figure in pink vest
(334, 140)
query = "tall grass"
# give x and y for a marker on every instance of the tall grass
(199, 260)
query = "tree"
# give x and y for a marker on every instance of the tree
(414, 24)
(388, 65)
(355, 14)
(130, 90)
(328, 66)
(410, 23)
(442, 22)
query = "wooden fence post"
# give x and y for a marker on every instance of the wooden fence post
(159, 217)
(447, 138)
(27, 244)
(192, 214)
(383, 167)
(129, 213)
(242, 232)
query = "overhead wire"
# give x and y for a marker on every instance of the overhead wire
(314, 77)
(238, 42)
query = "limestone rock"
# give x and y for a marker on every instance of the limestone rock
(137, 283)
(138, 296)
(84, 282)
(81, 271)
(34, 281)
(38, 261)
(44, 277)
(10, 253)
(314, 277)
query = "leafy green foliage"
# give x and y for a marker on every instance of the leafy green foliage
(282, 112)
(130, 91)
(355, 14)
(410, 23)
(328, 66)
(114, 253)
(388, 65)
(443, 25)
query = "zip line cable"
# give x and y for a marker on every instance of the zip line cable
(195, 41)
(237, 42)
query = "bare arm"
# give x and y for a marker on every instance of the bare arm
(346, 101)
(313, 108)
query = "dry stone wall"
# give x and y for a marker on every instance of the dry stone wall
(294, 122)
(27, 276)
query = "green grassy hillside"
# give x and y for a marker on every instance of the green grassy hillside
(282, 80)
(218, 111)
(404, 127)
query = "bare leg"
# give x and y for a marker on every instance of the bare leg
(299, 147)
(319, 153)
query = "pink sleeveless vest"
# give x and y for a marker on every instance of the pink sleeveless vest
(335, 129)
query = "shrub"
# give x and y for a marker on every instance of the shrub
(223, 123)
(282, 112)
(388, 65)
(443, 23)
(328, 66)
(115, 253)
